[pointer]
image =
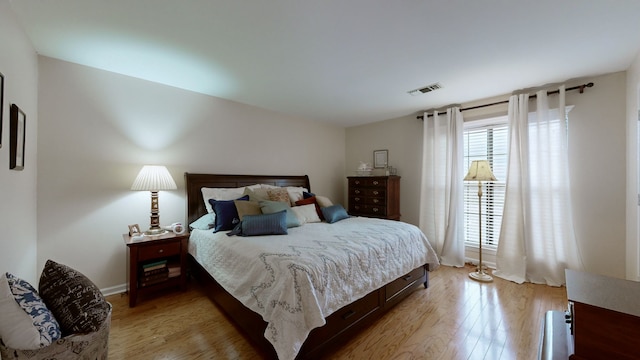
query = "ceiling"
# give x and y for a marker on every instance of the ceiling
(346, 62)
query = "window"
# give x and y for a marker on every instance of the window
(485, 139)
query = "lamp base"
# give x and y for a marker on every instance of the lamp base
(480, 276)
(153, 232)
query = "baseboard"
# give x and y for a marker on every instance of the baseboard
(118, 289)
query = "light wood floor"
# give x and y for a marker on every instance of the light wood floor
(455, 318)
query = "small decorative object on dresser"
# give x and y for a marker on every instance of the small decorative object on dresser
(156, 262)
(375, 196)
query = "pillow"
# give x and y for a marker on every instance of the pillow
(74, 300)
(311, 200)
(256, 194)
(306, 213)
(247, 208)
(205, 222)
(295, 193)
(25, 321)
(270, 207)
(334, 213)
(264, 224)
(323, 201)
(279, 194)
(226, 213)
(220, 194)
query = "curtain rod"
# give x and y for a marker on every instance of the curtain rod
(579, 87)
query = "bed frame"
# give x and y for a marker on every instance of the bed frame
(340, 326)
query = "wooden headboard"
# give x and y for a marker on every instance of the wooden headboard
(195, 182)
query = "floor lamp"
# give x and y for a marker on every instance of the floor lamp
(480, 171)
(154, 178)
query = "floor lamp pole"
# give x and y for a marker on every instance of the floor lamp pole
(479, 274)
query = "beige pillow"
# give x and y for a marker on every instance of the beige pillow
(323, 201)
(279, 194)
(247, 208)
(219, 194)
(306, 213)
(256, 194)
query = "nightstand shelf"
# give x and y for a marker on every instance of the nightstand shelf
(156, 263)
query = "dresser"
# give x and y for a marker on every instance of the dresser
(603, 320)
(375, 196)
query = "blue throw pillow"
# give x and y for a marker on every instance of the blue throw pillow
(27, 323)
(226, 213)
(265, 224)
(306, 195)
(270, 207)
(334, 213)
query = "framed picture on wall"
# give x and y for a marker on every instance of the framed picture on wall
(17, 130)
(1, 104)
(380, 159)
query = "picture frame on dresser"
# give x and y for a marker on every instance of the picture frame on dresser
(380, 159)
(17, 131)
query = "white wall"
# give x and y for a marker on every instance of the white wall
(633, 182)
(98, 129)
(18, 63)
(597, 141)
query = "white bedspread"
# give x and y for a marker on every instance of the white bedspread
(294, 281)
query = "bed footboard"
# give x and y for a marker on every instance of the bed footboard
(340, 326)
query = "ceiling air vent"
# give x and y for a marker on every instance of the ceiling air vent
(424, 90)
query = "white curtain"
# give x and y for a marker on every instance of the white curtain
(537, 239)
(441, 195)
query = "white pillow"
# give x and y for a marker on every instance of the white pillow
(25, 321)
(323, 201)
(306, 213)
(220, 194)
(295, 194)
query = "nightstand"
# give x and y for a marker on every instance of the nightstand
(156, 263)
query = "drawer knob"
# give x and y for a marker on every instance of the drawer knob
(357, 191)
(375, 182)
(356, 199)
(357, 207)
(376, 201)
(375, 192)
(406, 277)
(357, 182)
(375, 209)
(161, 251)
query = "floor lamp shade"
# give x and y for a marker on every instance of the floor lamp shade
(154, 178)
(480, 170)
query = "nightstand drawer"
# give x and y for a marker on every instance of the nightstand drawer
(160, 250)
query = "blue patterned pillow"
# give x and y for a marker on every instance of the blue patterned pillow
(226, 213)
(25, 321)
(334, 213)
(265, 224)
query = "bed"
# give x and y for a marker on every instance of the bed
(349, 308)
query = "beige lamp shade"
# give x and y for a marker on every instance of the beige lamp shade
(480, 170)
(154, 178)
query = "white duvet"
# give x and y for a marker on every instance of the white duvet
(294, 281)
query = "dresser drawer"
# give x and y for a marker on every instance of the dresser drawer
(349, 315)
(160, 250)
(402, 282)
(368, 182)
